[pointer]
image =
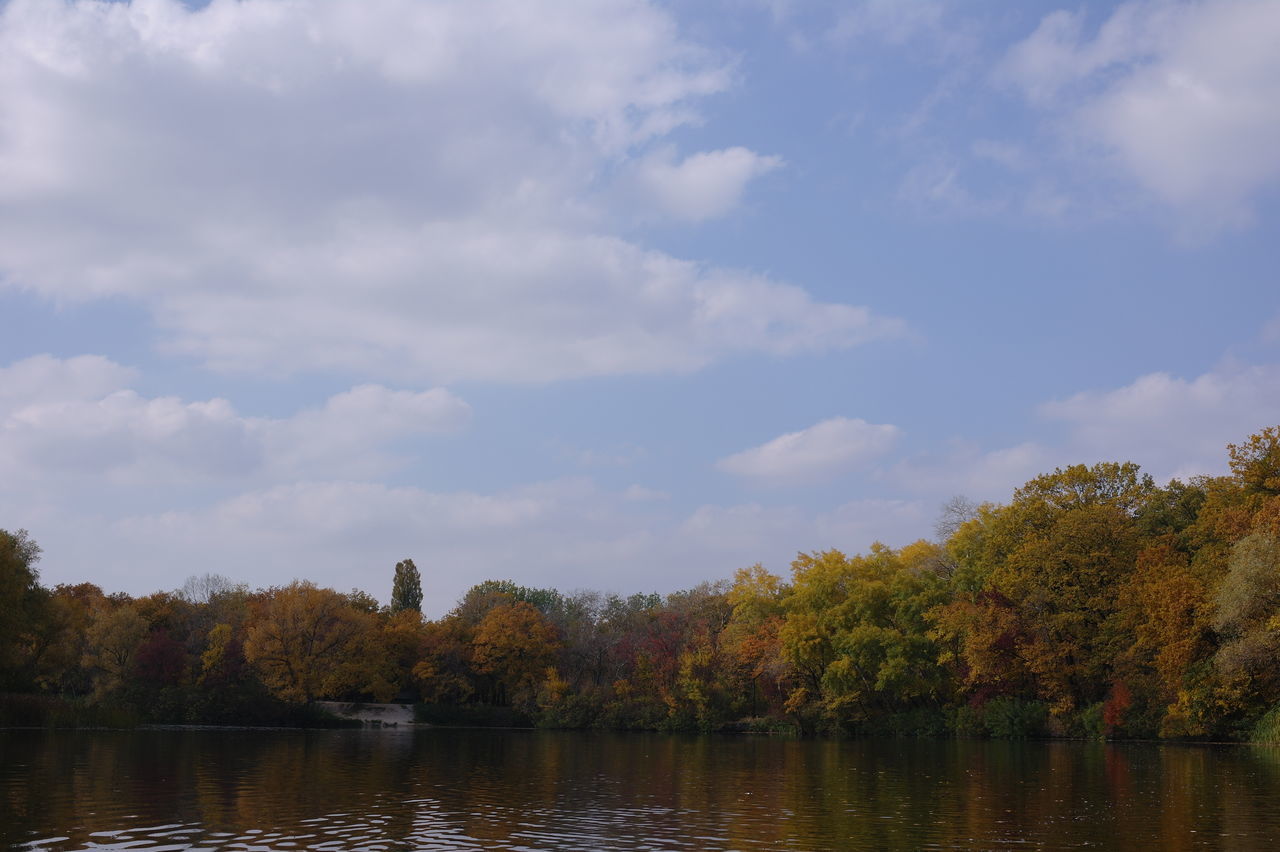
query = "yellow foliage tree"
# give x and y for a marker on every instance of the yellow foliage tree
(515, 643)
(307, 643)
(751, 638)
(856, 633)
(1256, 462)
(112, 639)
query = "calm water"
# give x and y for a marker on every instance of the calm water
(455, 790)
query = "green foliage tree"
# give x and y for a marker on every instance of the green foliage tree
(1248, 614)
(362, 601)
(406, 588)
(23, 605)
(856, 633)
(484, 596)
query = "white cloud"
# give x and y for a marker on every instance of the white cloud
(302, 510)
(1179, 95)
(1057, 57)
(701, 186)
(1170, 425)
(966, 469)
(347, 436)
(133, 486)
(402, 191)
(524, 305)
(44, 378)
(128, 439)
(75, 424)
(824, 449)
(568, 534)
(349, 533)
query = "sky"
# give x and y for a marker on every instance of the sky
(612, 294)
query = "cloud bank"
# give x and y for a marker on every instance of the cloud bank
(1178, 96)
(393, 190)
(75, 424)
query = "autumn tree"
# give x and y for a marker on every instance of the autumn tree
(115, 631)
(515, 643)
(223, 658)
(398, 643)
(1166, 610)
(750, 639)
(648, 635)
(1256, 461)
(443, 673)
(306, 642)
(226, 689)
(1036, 585)
(62, 666)
(706, 689)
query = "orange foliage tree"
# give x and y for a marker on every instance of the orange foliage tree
(515, 643)
(307, 642)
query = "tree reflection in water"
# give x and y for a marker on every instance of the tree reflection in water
(559, 791)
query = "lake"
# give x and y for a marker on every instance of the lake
(525, 790)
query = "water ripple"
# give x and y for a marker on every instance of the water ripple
(527, 792)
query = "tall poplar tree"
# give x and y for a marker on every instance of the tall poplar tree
(406, 589)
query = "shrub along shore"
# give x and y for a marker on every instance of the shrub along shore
(1093, 603)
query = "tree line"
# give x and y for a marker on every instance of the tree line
(1092, 603)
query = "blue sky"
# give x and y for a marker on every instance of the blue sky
(612, 294)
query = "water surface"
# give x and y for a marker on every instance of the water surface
(522, 790)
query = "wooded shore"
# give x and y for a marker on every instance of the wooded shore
(1093, 603)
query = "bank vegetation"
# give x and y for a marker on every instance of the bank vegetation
(1092, 603)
